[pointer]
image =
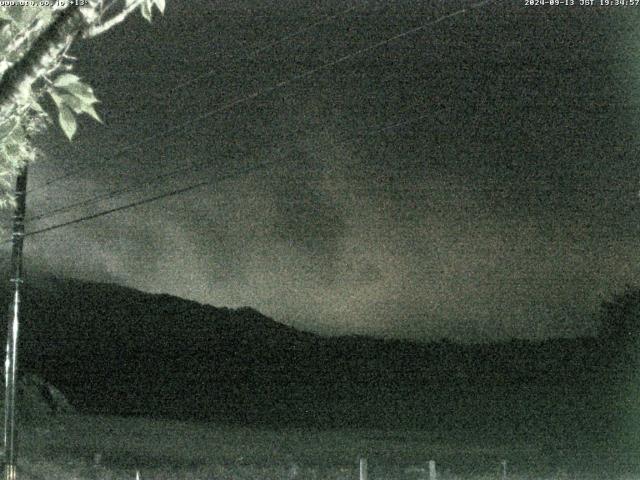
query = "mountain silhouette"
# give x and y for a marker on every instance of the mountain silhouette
(116, 350)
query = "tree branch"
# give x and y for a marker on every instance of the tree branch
(20, 40)
(43, 53)
(96, 30)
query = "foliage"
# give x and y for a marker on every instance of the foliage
(38, 400)
(34, 64)
(619, 331)
(620, 317)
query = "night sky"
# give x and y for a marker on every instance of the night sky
(501, 201)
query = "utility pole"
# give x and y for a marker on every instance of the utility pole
(11, 360)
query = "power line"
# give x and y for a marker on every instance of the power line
(189, 188)
(211, 71)
(197, 185)
(191, 168)
(123, 207)
(252, 52)
(277, 86)
(113, 193)
(329, 18)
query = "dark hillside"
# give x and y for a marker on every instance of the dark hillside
(120, 351)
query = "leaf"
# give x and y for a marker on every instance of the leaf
(44, 14)
(7, 127)
(36, 107)
(89, 110)
(74, 103)
(82, 91)
(56, 98)
(160, 4)
(145, 9)
(12, 150)
(4, 14)
(13, 56)
(67, 121)
(15, 147)
(80, 105)
(89, 12)
(30, 13)
(65, 80)
(15, 13)
(6, 35)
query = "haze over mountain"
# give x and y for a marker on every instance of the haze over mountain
(475, 179)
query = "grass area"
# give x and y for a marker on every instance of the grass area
(160, 449)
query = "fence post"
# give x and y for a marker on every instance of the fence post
(294, 470)
(504, 469)
(432, 470)
(363, 469)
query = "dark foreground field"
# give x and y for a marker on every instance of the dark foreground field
(558, 408)
(66, 448)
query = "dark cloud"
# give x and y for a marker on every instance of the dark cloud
(509, 209)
